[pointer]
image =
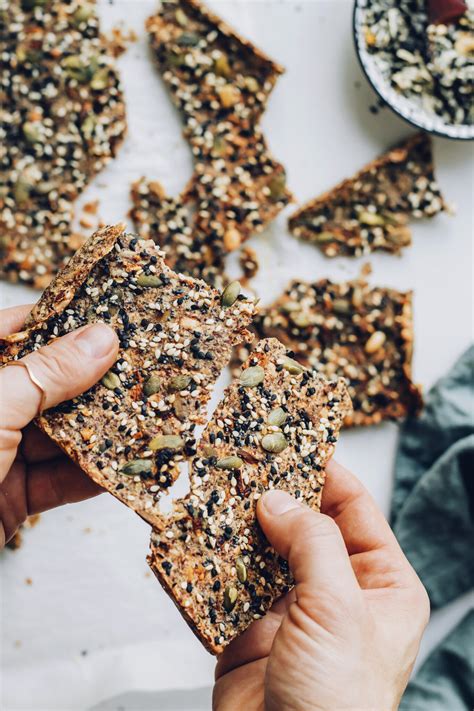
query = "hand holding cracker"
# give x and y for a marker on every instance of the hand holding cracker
(347, 635)
(34, 474)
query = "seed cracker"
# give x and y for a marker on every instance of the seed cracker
(350, 330)
(371, 210)
(220, 84)
(130, 432)
(209, 553)
(63, 119)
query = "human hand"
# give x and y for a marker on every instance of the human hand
(347, 635)
(34, 473)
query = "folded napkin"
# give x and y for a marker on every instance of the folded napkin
(433, 500)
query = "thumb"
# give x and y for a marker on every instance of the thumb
(65, 368)
(311, 543)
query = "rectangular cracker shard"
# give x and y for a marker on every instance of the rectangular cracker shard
(371, 210)
(350, 330)
(275, 428)
(130, 431)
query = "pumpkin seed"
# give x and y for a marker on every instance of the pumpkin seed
(252, 376)
(137, 466)
(188, 39)
(181, 18)
(341, 306)
(152, 385)
(324, 237)
(111, 380)
(31, 132)
(277, 417)
(22, 190)
(230, 463)
(149, 280)
(291, 365)
(83, 13)
(277, 187)
(222, 66)
(300, 319)
(230, 598)
(274, 442)
(100, 80)
(230, 294)
(241, 569)
(371, 219)
(88, 126)
(251, 84)
(75, 68)
(173, 442)
(376, 341)
(179, 382)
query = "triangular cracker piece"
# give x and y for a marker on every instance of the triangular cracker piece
(130, 431)
(275, 428)
(351, 330)
(63, 119)
(371, 210)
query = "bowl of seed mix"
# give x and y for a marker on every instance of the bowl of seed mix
(419, 57)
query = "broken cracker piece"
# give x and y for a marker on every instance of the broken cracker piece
(275, 428)
(371, 210)
(63, 121)
(130, 432)
(220, 84)
(350, 330)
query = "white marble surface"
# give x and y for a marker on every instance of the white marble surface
(93, 624)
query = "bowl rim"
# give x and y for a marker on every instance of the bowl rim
(359, 5)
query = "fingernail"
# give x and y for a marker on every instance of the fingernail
(279, 502)
(96, 341)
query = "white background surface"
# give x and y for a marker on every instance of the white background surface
(94, 624)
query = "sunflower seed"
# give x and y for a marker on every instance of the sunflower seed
(137, 466)
(230, 598)
(274, 442)
(230, 463)
(252, 376)
(241, 570)
(152, 385)
(230, 294)
(173, 442)
(277, 417)
(111, 380)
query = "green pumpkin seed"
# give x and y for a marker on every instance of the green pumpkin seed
(300, 319)
(31, 132)
(181, 18)
(149, 280)
(341, 306)
(173, 442)
(100, 80)
(222, 66)
(277, 417)
(21, 191)
(88, 126)
(188, 39)
(324, 237)
(111, 380)
(137, 466)
(84, 13)
(230, 294)
(230, 598)
(277, 187)
(291, 365)
(179, 382)
(241, 570)
(230, 463)
(371, 219)
(75, 68)
(251, 377)
(152, 385)
(274, 442)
